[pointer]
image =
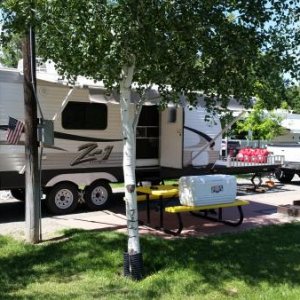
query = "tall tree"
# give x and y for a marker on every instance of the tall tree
(180, 46)
(263, 124)
(11, 52)
(293, 98)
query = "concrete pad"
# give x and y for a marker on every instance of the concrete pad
(261, 211)
(12, 220)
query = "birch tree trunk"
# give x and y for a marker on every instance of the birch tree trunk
(133, 261)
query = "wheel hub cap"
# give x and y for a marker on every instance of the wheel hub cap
(99, 196)
(64, 199)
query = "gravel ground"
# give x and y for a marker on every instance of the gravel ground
(12, 212)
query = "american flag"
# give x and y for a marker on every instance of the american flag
(14, 131)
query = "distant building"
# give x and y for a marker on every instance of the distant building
(291, 122)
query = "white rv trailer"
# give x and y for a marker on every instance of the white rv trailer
(288, 145)
(87, 152)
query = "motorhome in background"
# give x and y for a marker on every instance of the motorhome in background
(288, 145)
(87, 151)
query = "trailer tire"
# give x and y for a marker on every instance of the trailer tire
(97, 196)
(283, 176)
(19, 194)
(62, 198)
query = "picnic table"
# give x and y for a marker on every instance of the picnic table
(166, 192)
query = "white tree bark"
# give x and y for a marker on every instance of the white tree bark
(129, 150)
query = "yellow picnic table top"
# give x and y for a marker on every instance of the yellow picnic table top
(156, 192)
(182, 208)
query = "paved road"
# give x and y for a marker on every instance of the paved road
(12, 218)
(263, 210)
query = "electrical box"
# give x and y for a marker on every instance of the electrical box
(46, 132)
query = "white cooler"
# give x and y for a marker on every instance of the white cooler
(207, 189)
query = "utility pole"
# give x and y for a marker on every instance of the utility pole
(32, 185)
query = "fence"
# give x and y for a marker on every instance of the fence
(270, 160)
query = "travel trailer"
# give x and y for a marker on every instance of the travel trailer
(87, 152)
(291, 166)
(288, 145)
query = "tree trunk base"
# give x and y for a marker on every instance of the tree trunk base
(133, 266)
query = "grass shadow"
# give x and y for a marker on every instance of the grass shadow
(268, 254)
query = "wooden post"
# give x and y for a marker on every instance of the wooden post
(32, 209)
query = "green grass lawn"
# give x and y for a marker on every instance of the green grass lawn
(258, 264)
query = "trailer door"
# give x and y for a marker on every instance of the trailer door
(171, 137)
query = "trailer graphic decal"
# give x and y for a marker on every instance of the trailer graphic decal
(3, 127)
(66, 136)
(90, 152)
(72, 137)
(200, 133)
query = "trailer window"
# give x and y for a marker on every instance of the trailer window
(84, 116)
(172, 115)
(147, 133)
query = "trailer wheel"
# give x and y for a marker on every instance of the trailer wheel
(97, 195)
(19, 194)
(284, 177)
(62, 198)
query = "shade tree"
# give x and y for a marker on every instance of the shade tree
(216, 48)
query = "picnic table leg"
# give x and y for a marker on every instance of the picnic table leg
(180, 226)
(239, 222)
(220, 217)
(148, 208)
(161, 212)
